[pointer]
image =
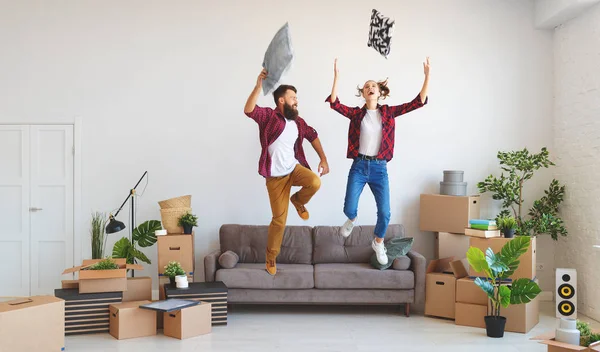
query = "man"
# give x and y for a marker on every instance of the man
(282, 161)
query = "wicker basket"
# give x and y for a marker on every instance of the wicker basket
(170, 218)
(177, 202)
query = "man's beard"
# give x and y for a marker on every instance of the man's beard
(289, 112)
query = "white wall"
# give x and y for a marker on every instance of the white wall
(551, 13)
(577, 131)
(160, 86)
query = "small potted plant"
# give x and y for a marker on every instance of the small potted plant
(188, 221)
(172, 270)
(498, 267)
(507, 224)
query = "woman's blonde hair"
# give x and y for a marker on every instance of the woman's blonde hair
(383, 88)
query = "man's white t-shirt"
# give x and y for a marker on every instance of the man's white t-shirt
(370, 133)
(283, 160)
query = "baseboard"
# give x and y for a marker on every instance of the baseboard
(546, 296)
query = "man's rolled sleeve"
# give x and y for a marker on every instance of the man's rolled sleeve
(259, 114)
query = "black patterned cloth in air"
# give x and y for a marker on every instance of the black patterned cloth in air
(380, 33)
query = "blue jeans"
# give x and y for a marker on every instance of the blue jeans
(374, 173)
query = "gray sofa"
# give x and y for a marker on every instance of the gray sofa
(316, 265)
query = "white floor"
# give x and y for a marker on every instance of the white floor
(322, 328)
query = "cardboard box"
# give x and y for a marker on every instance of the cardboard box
(555, 346)
(32, 324)
(482, 233)
(138, 289)
(451, 245)
(214, 293)
(468, 292)
(69, 284)
(128, 321)
(442, 213)
(176, 248)
(97, 281)
(188, 322)
(440, 286)
(470, 314)
(527, 266)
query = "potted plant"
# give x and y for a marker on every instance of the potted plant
(507, 224)
(104, 264)
(543, 215)
(188, 221)
(498, 267)
(172, 270)
(98, 235)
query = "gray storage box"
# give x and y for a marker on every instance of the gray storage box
(453, 188)
(453, 176)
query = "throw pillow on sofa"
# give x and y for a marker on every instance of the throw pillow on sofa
(228, 260)
(396, 247)
(401, 263)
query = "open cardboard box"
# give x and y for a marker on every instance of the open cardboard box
(555, 346)
(440, 286)
(96, 281)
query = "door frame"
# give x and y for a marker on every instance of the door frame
(76, 122)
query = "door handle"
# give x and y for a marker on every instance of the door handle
(35, 209)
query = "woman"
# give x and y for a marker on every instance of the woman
(371, 146)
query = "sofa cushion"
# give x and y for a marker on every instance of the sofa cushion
(249, 242)
(249, 275)
(401, 263)
(361, 276)
(228, 259)
(331, 247)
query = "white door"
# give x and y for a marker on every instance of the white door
(46, 184)
(14, 210)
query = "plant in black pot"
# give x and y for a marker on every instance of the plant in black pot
(507, 224)
(188, 221)
(498, 267)
(173, 269)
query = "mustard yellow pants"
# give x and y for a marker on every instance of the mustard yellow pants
(279, 189)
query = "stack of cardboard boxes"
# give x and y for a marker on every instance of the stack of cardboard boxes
(175, 248)
(450, 288)
(107, 301)
(87, 299)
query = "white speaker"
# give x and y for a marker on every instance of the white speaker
(566, 293)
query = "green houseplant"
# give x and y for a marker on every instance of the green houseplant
(507, 224)
(498, 267)
(142, 236)
(587, 336)
(104, 264)
(173, 269)
(520, 167)
(188, 221)
(98, 235)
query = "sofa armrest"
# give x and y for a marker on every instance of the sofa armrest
(211, 264)
(418, 266)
